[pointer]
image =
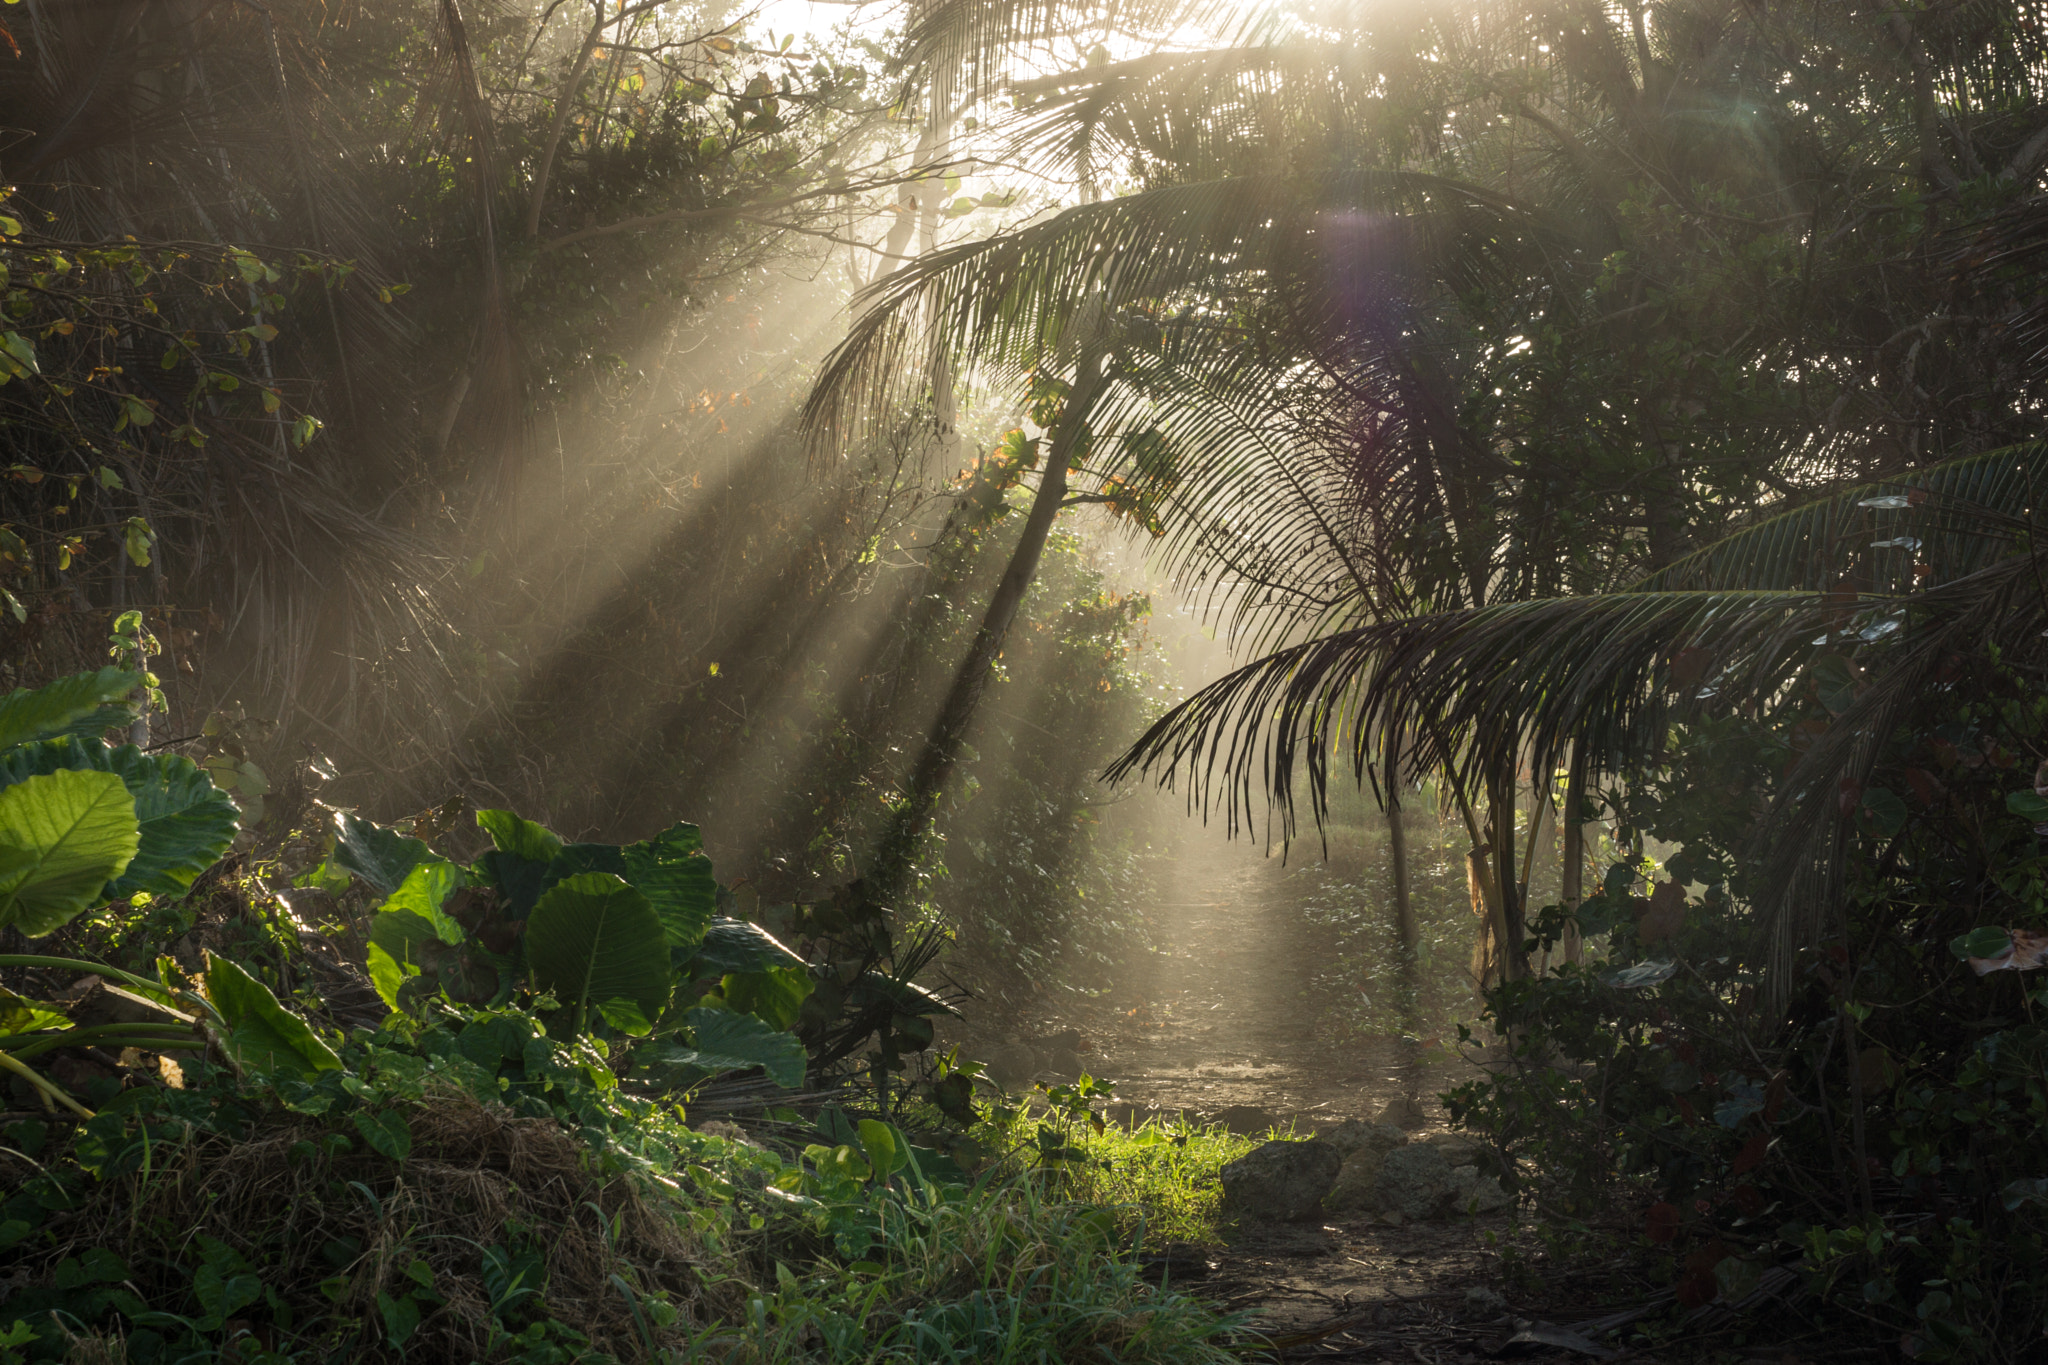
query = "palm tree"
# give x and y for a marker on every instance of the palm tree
(1888, 584)
(1687, 335)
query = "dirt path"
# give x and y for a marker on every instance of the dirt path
(1238, 1010)
(1238, 1020)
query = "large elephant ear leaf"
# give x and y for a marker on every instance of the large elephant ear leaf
(592, 938)
(725, 1041)
(262, 1035)
(185, 822)
(517, 864)
(380, 856)
(672, 872)
(522, 838)
(81, 701)
(63, 837)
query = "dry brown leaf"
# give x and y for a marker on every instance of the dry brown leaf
(2025, 951)
(1666, 915)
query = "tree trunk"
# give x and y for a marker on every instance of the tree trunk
(565, 107)
(1404, 905)
(1572, 882)
(888, 877)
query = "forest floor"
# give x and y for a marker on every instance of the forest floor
(1233, 1021)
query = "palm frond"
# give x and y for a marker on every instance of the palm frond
(1028, 298)
(976, 47)
(1954, 518)
(1600, 676)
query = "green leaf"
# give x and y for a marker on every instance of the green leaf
(594, 938)
(576, 859)
(63, 837)
(424, 891)
(136, 540)
(672, 872)
(21, 1015)
(625, 1016)
(523, 838)
(379, 856)
(885, 1154)
(735, 945)
(2028, 805)
(47, 712)
(725, 1041)
(519, 881)
(773, 994)
(1886, 811)
(185, 822)
(387, 1133)
(263, 1035)
(1984, 941)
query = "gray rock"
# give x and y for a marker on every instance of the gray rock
(1474, 1193)
(1484, 1300)
(1462, 1150)
(1280, 1181)
(1011, 1065)
(1353, 1135)
(1403, 1111)
(1416, 1182)
(1357, 1189)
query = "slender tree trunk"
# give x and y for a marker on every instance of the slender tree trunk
(1404, 906)
(1508, 907)
(565, 107)
(1572, 883)
(888, 877)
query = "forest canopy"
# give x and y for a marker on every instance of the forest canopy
(1616, 427)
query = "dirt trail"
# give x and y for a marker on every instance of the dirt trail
(1236, 1019)
(1232, 1012)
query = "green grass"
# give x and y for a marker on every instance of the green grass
(1006, 1275)
(1161, 1180)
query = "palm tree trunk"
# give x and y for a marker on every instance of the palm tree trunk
(1572, 884)
(1404, 906)
(1507, 918)
(888, 876)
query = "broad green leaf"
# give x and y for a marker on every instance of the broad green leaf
(672, 872)
(522, 864)
(518, 880)
(21, 1015)
(50, 711)
(625, 1016)
(1983, 941)
(379, 856)
(885, 1154)
(63, 837)
(1885, 810)
(593, 938)
(185, 822)
(735, 945)
(725, 1041)
(773, 994)
(424, 891)
(402, 944)
(2028, 804)
(523, 838)
(387, 1133)
(576, 859)
(263, 1035)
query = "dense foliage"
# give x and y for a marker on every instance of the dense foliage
(499, 1168)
